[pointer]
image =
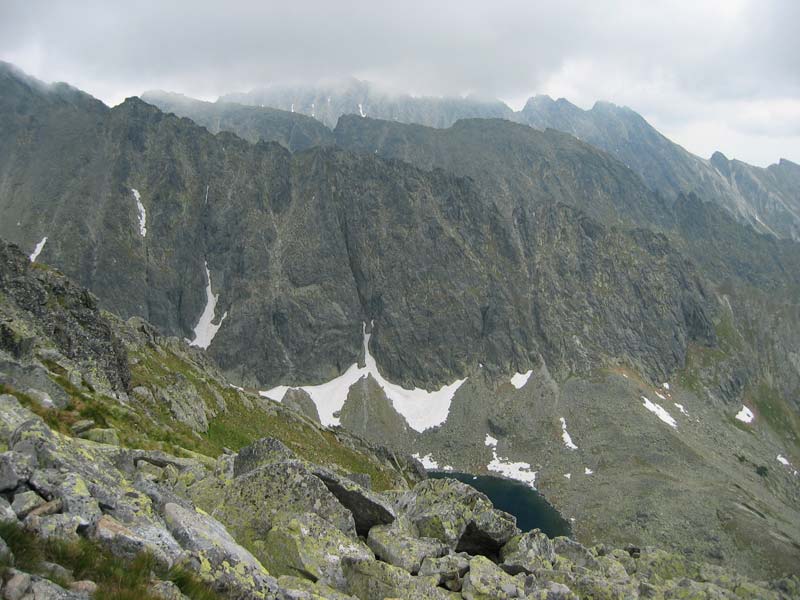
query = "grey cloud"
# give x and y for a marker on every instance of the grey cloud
(710, 54)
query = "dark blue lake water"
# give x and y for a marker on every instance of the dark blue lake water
(521, 500)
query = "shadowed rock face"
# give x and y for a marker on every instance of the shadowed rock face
(301, 249)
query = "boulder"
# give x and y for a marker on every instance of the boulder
(7, 514)
(126, 543)
(577, 554)
(60, 527)
(393, 545)
(368, 509)
(261, 452)
(101, 436)
(165, 590)
(215, 556)
(15, 469)
(25, 502)
(297, 588)
(376, 580)
(81, 426)
(527, 552)
(309, 546)
(486, 581)
(76, 499)
(254, 500)
(17, 585)
(12, 415)
(458, 515)
(449, 569)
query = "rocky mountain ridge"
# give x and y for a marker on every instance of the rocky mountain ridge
(760, 197)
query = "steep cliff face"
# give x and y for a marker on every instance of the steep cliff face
(301, 250)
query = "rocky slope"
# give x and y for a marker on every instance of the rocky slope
(127, 469)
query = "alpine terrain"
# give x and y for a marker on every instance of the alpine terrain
(235, 334)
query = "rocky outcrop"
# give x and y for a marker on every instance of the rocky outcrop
(457, 515)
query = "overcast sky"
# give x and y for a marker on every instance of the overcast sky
(721, 74)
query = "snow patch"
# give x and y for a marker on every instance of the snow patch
(427, 461)
(38, 250)
(520, 379)
(745, 415)
(681, 408)
(236, 387)
(420, 408)
(205, 330)
(361, 110)
(142, 213)
(665, 386)
(568, 475)
(659, 411)
(521, 471)
(588, 471)
(783, 460)
(565, 435)
(660, 395)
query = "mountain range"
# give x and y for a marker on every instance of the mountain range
(435, 274)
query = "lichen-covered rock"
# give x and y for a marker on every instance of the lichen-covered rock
(376, 580)
(368, 509)
(297, 588)
(185, 403)
(393, 545)
(458, 515)
(7, 514)
(309, 546)
(16, 585)
(61, 527)
(449, 569)
(25, 502)
(101, 436)
(12, 415)
(76, 499)
(215, 556)
(165, 590)
(575, 553)
(486, 581)
(15, 469)
(127, 543)
(261, 452)
(658, 565)
(527, 552)
(253, 501)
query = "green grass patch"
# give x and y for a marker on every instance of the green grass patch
(116, 579)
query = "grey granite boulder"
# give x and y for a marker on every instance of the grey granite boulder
(369, 509)
(458, 515)
(215, 556)
(393, 545)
